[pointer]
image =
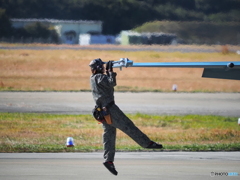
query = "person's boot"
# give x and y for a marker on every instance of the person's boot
(110, 166)
(154, 145)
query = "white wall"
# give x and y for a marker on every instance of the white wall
(82, 28)
(87, 39)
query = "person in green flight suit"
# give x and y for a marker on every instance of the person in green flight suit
(102, 86)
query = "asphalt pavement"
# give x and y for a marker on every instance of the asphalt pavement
(130, 166)
(171, 48)
(223, 104)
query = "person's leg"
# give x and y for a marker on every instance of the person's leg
(109, 141)
(122, 122)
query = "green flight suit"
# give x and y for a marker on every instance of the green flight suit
(103, 94)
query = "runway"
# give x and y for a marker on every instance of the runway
(130, 166)
(223, 104)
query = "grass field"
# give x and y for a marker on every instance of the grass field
(22, 132)
(68, 70)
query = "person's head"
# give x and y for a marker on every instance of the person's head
(97, 66)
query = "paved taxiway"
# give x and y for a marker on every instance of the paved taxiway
(224, 104)
(130, 166)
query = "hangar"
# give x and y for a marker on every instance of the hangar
(67, 30)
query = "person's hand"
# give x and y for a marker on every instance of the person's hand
(109, 66)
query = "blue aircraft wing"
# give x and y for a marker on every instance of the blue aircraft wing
(222, 70)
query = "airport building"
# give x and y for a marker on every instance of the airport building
(67, 30)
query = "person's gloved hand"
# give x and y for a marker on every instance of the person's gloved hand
(109, 66)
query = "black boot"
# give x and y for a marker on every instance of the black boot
(154, 145)
(110, 166)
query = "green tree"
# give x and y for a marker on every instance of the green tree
(37, 30)
(118, 15)
(5, 24)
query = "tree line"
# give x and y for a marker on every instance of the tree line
(118, 15)
(189, 32)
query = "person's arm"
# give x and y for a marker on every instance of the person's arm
(112, 78)
(105, 86)
(112, 75)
